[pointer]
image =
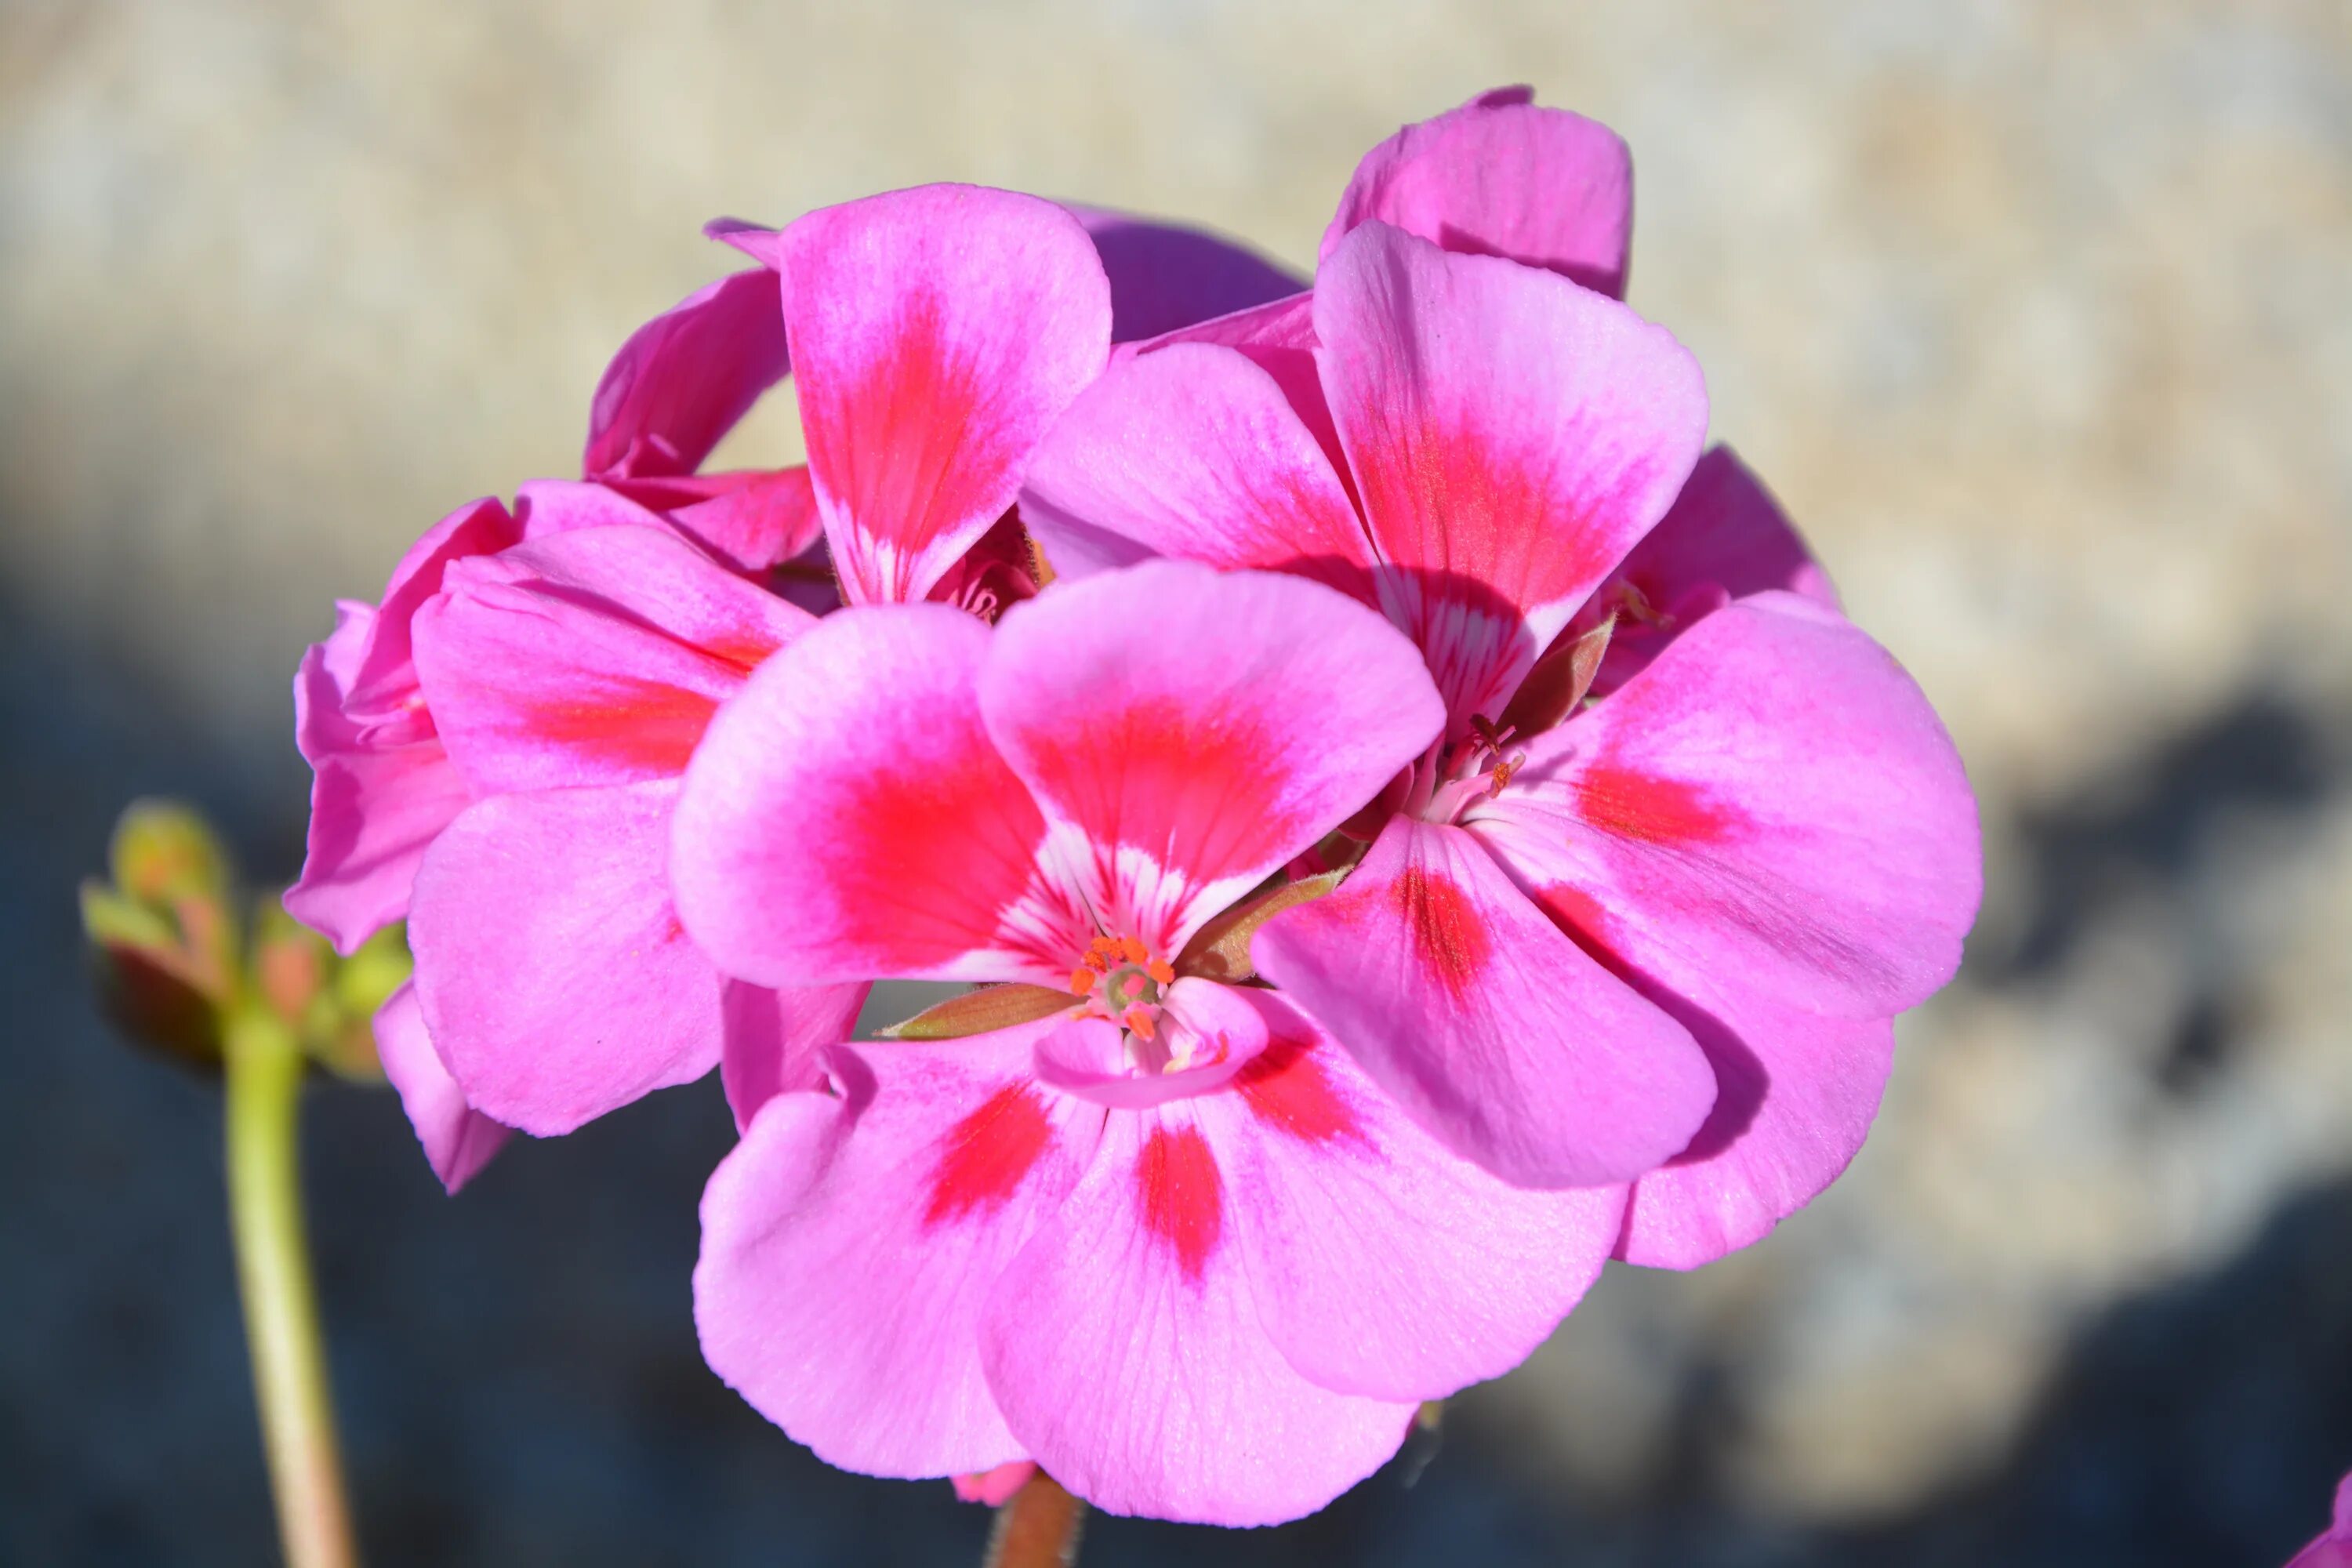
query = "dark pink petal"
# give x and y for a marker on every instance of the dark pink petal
(1382, 1264)
(996, 1488)
(937, 334)
(851, 1241)
(1163, 276)
(776, 1040)
(684, 379)
(1511, 435)
(592, 657)
(1194, 731)
(1771, 804)
(458, 1139)
(755, 521)
(554, 977)
(1488, 1026)
(1500, 177)
(848, 818)
(1127, 1348)
(1725, 538)
(1193, 451)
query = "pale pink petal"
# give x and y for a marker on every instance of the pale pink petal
(684, 379)
(848, 818)
(589, 657)
(1771, 803)
(851, 1241)
(1500, 177)
(1163, 276)
(554, 977)
(937, 334)
(1194, 731)
(775, 1040)
(1126, 1347)
(1279, 339)
(1383, 1264)
(1191, 451)
(458, 1139)
(1488, 1026)
(1725, 538)
(1511, 435)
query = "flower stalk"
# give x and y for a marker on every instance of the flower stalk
(264, 1062)
(1038, 1528)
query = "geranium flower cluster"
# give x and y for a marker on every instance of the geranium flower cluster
(1417, 821)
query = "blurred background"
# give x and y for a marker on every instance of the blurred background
(2035, 315)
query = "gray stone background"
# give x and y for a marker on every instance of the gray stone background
(2034, 314)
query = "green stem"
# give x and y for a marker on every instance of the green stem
(263, 1063)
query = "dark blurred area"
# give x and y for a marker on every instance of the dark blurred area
(2033, 316)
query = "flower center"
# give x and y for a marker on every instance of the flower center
(1122, 982)
(1476, 767)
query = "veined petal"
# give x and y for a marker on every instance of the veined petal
(937, 334)
(554, 977)
(775, 1041)
(1489, 1027)
(458, 1139)
(589, 657)
(1381, 1263)
(1193, 451)
(684, 378)
(1772, 802)
(1195, 730)
(851, 1241)
(1165, 276)
(1127, 1349)
(1499, 177)
(848, 818)
(1511, 435)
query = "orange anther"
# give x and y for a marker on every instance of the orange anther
(1141, 1022)
(1082, 982)
(1133, 950)
(1162, 970)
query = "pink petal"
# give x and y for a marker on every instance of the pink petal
(1163, 276)
(937, 333)
(1193, 451)
(1194, 730)
(378, 676)
(1382, 1264)
(848, 818)
(684, 379)
(1725, 538)
(458, 1139)
(1500, 177)
(1216, 1024)
(996, 1488)
(1511, 434)
(1488, 1026)
(1772, 805)
(380, 790)
(1126, 1347)
(1279, 339)
(553, 974)
(776, 1040)
(593, 656)
(548, 506)
(851, 1241)
(755, 521)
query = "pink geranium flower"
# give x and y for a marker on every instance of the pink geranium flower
(1158, 1233)
(1761, 842)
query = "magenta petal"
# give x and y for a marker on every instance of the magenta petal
(851, 1241)
(1771, 804)
(1511, 435)
(548, 506)
(1127, 1348)
(1191, 778)
(1489, 1027)
(776, 1040)
(554, 977)
(589, 657)
(1500, 177)
(1163, 276)
(684, 379)
(849, 818)
(1382, 1264)
(996, 1488)
(379, 675)
(458, 1139)
(757, 523)
(937, 333)
(1193, 451)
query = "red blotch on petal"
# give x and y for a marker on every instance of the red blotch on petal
(1183, 1198)
(988, 1154)
(1445, 926)
(1654, 810)
(1284, 1087)
(642, 724)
